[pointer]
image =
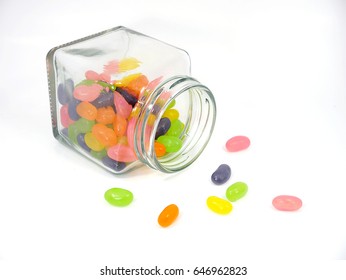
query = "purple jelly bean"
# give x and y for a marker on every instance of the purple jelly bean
(162, 128)
(65, 91)
(81, 142)
(221, 174)
(72, 111)
(113, 164)
(105, 99)
(132, 100)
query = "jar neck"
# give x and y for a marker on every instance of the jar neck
(197, 110)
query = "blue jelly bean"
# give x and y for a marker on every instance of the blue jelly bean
(65, 91)
(221, 174)
(132, 100)
(162, 128)
(113, 164)
(81, 142)
(105, 99)
(72, 111)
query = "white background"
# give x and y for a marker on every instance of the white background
(277, 70)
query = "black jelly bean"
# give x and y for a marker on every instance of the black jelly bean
(81, 142)
(113, 164)
(162, 128)
(221, 174)
(132, 100)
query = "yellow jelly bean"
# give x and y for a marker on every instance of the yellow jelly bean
(172, 114)
(93, 143)
(219, 205)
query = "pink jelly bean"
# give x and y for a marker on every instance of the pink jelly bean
(111, 67)
(92, 75)
(64, 116)
(87, 93)
(122, 153)
(131, 131)
(237, 143)
(105, 77)
(123, 108)
(287, 203)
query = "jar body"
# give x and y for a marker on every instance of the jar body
(115, 93)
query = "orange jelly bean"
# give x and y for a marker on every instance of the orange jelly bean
(119, 125)
(86, 110)
(105, 115)
(160, 149)
(137, 85)
(106, 136)
(168, 215)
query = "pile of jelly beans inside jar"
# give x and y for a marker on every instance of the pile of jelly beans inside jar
(98, 114)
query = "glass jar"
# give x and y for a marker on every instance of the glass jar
(123, 99)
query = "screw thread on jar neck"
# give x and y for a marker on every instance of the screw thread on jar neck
(197, 110)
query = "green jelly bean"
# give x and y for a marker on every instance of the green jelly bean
(118, 197)
(84, 125)
(73, 132)
(236, 191)
(171, 104)
(99, 155)
(176, 128)
(171, 143)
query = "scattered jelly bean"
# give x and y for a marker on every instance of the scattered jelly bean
(121, 153)
(81, 142)
(119, 125)
(113, 164)
(105, 99)
(64, 116)
(106, 136)
(172, 114)
(236, 191)
(87, 93)
(132, 100)
(123, 108)
(99, 154)
(72, 112)
(287, 203)
(86, 110)
(162, 127)
(168, 215)
(176, 129)
(219, 205)
(118, 197)
(237, 143)
(84, 125)
(105, 115)
(92, 142)
(160, 149)
(172, 144)
(221, 174)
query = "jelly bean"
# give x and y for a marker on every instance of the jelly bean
(72, 111)
(113, 164)
(105, 99)
(130, 132)
(236, 191)
(151, 119)
(92, 75)
(168, 215)
(162, 127)
(160, 149)
(123, 108)
(121, 153)
(86, 110)
(119, 125)
(84, 125)
(171, 104)
(219, 205)
(118, 197)
(237, 143)
(87, 93)
(128, 63)
(99, 154)
(287, 203)
(172, 114)
(136, 86)
(125, 81)
(81, 142)
(64, 116)
(172, 144)
(154, 83)
(65, 92)
(221, 174)
(92, 142)
(106, 136)
(132, 100)
(73, 132)
(86, 83)
(176, 129)
(105, 115)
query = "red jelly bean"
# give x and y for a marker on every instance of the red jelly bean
(287, 203)
(237, 143)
